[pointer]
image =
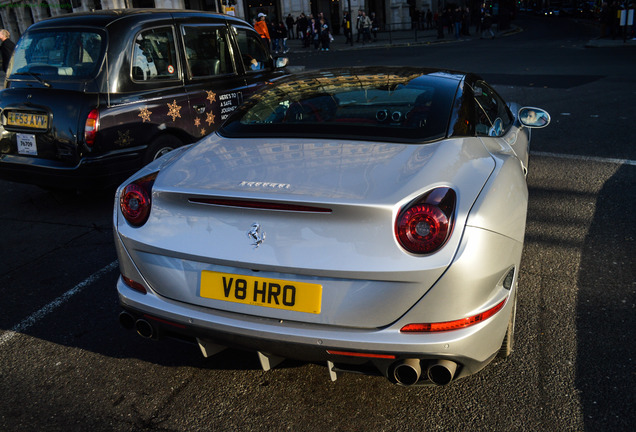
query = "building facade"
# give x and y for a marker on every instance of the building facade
(17, 15)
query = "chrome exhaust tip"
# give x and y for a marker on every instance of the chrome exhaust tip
(407, 372)
(126, 320)
(442, 372)
(144, 328)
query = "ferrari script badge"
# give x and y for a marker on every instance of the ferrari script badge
(256, 235)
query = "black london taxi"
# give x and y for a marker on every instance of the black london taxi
(89, 98)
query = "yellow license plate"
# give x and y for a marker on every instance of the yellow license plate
(272, 293)
(35, 121)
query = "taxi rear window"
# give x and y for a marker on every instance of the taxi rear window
(58, 54)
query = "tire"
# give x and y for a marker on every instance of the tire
(508, 342)
(161, 146)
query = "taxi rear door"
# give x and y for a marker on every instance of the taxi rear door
(214, 83)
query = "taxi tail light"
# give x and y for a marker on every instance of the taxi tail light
(423, 226)
(135, 200)
(91, 127)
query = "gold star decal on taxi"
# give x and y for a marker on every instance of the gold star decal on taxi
(144, 114)
(197, 122)
(174, 110)
(202, 131)
(210, 118)
(123, 139)
(211, 96)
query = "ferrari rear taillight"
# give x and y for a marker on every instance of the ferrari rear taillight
(423, 226)
(133, 284)
(135, 200)
(453, 325)
(91, 127)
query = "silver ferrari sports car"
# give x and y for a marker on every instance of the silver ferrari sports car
(371, 219)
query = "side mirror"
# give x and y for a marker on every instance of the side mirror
(281, 62)
(534, 117)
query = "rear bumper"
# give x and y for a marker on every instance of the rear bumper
(97, 172)
(471, 348)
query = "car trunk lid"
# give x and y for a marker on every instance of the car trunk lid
(320, 213)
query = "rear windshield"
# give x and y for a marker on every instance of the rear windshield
(388, 107)
(53, 54)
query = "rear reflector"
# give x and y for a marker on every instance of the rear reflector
(134, 285)
(359, 354)
(163, 321)
(453, 325)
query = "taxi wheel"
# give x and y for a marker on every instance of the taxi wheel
(161, 146)
(508, 342)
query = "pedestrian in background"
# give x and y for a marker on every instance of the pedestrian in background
(359, 20)
(301, 26)
(290, 25)
(283, 35)
(366, 28)
(6, 48)
(375, 26)
(346, 25)
(486, 26)
(325, 35)
(276, 35)
(261, 28)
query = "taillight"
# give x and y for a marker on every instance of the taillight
(91, 127)
(134, 285)
(423, 226)
(135, 200)
(453, 325)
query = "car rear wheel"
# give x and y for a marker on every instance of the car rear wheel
(508, 342)
(161, 146)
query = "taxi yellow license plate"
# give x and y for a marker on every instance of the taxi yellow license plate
(30, 120)
(272, 293)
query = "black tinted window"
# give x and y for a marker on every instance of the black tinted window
(207, 51)
(154, 55)
(59, 53)
(492, 114)
(253, 53)
(402, 107)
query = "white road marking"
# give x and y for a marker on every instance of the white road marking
(47, 309)
(585, 158)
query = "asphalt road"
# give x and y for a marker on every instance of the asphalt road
(65, 364)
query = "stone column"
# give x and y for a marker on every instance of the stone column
(86, 6)
(114, 4)
(169, 4)
(59, 7)
(23, 15)
(399, 15)
(39, 13)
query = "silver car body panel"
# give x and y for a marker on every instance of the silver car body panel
(368, 280)
(481, 251)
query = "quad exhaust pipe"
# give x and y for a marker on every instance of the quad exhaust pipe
(408, 372)
(143, 327)
(442, 372)
(405, 372)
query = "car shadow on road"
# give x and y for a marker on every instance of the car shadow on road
(605, 320)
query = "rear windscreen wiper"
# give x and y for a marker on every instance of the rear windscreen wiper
(36, 76)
